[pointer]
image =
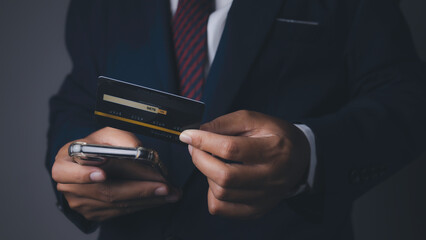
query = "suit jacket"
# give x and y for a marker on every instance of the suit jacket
(351, 75)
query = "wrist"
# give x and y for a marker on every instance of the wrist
(306, 182)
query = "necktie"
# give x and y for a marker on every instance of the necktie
(190, 41)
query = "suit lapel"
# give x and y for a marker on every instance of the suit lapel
(167, 74)
(246, 28)
(164, 57)
(248, 24)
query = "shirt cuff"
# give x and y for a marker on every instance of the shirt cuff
(309, 183)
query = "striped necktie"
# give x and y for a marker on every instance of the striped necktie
(190, 41)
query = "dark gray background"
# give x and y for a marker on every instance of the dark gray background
(33, 63)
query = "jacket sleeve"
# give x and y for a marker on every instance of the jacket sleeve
(382, 126)
(71, 109)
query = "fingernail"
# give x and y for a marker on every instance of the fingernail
(161, 191)
(172, 198)
(97, 177)
(185, 138)
(190, 149)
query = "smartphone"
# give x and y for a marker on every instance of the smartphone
(120, 162)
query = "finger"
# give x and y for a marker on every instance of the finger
(228, 209)
(131, 170)
(229, 175)
(236, 148)
(113, 137)
(235, 123)
(99, 211)
(105, 214)
(116, 191)
(65, 171)
(237, 195)
(84, 205)
(63, 154)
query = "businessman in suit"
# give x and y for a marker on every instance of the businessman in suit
(319, 100)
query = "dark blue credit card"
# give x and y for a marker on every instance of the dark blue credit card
(144, 110)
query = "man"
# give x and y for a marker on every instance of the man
(319, 100)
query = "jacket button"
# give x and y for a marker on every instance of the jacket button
(382, 171)
(374, 173)
(59, 206)
(172, 238)
(365, 175)
(355, 177)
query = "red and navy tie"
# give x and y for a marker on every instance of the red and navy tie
(190, 41)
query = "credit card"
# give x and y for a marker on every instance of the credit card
(144, 110)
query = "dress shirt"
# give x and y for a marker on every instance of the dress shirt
(215, 26)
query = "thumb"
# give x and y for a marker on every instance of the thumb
(234, 124)
(113, 137)
(64, 170)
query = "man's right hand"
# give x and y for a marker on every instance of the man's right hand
(89, 191)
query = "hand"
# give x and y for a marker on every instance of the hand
(88, 191)
(274, 157)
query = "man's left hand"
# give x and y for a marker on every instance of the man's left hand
(272, 155)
